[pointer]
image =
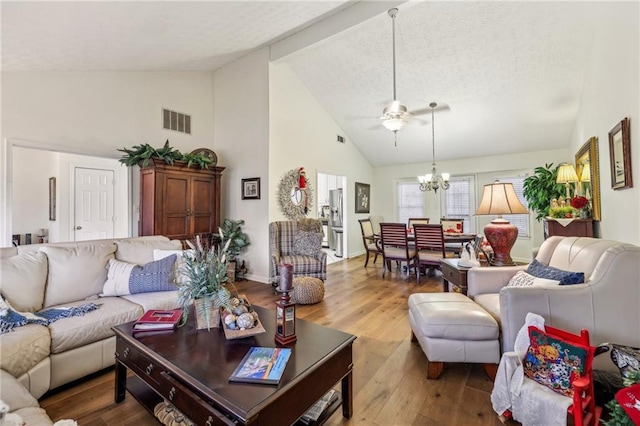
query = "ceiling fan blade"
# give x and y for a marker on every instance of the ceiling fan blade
(425, 111)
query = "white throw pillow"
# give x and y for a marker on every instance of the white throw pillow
(523, 279)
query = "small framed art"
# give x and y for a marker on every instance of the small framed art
(620, 155)
(251, 189)
(363, 197)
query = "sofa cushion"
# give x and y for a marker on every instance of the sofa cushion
(35, 416)
(14, 394)
(76, 273)
(140, 250)
(22, 280)
(126, 278)
(540, 270)
(164, 300)
(23, 348)
(69, 333)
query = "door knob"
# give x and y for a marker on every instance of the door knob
(78, 227)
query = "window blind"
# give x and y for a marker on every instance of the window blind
(410, 201)
(457, 200)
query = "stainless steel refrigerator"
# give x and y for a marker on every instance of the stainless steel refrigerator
(335, 221)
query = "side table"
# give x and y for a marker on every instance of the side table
(453, 275)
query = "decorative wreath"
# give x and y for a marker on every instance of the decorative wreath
(295, 179)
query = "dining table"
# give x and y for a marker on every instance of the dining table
(448, 237)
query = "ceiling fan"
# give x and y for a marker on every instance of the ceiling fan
(395, 115)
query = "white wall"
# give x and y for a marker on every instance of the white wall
(611, 92)
(302, 134)
(384, 198)
(98, 112)
(241, 126)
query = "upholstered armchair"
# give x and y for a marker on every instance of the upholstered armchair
(300, 244)
(607, 304)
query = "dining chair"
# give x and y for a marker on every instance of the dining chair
(413, 220)
(369, 240)
(395, 246)
(429, 240)
(453, 226)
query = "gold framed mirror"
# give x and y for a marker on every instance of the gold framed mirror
(588, 172)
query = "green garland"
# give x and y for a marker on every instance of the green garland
(618, 417)
(143, 153)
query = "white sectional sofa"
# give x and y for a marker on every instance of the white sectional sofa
(41, 276)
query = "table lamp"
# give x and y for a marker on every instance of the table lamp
(500, 198)
(567, 174)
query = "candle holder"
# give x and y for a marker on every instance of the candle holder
(285, 318)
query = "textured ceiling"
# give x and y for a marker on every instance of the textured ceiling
(510, 72)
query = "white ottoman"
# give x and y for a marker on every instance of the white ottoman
(450, 327)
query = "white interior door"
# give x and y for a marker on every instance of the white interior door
(94, 204)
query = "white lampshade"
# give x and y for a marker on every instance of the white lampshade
(394, 124)
(585, 176)
(445, 176)
(566, 173)
(428, 177)
(500, 198)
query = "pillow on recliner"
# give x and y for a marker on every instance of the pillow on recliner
(306, 243)
(539, 270)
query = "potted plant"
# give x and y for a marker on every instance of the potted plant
(231, 234)
(204, 280)
(540, 188)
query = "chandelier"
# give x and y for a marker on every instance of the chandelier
(433, 180)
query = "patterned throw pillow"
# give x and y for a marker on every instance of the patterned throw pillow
(126, 278)
(306, 243)
(522, 279)
(553, 362)
(539, 270)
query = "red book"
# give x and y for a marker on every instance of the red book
(156, 319)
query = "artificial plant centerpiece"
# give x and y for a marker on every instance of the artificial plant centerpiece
(204, 282)
(141, 155)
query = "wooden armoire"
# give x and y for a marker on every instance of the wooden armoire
(179, 201)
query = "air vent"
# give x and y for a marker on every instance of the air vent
(177, 121)
(340, 139)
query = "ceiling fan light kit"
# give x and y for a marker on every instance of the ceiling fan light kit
(433, 181)
(395, 115)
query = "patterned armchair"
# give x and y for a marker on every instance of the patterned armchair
(300, 244)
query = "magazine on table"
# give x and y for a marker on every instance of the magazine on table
(262, 366)
(316, 410)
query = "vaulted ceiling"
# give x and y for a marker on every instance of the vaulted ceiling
(508, 74)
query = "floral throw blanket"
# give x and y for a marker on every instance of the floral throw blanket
(10, 318)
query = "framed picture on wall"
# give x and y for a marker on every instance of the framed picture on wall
(52, 198)
(620, 155)
(363, 197)
(251, 189)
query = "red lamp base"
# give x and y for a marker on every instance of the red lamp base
(501, 236)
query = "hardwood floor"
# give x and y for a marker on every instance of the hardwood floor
(390, 383)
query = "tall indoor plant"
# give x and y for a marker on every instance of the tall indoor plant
(233, 236)
(540, 188)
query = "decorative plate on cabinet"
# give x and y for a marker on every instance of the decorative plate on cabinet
(209, 153)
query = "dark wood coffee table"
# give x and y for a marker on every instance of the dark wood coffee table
(190, 368)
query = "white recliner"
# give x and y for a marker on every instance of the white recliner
(607, 304)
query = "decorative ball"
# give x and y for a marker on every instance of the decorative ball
(245, 320)
(255, 315)
(235, 302)
(229, 319)
(239, 310)
(232, 326)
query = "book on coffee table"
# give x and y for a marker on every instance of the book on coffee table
(262, 366)
(156, 319)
